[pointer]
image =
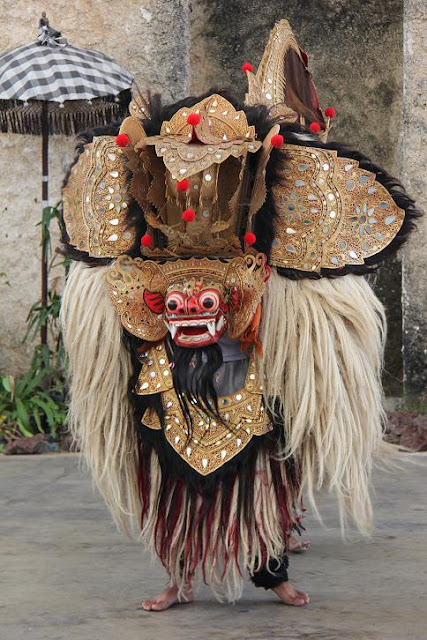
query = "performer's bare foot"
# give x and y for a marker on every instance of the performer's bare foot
(289, 595)
(167, 598)
(296, 545)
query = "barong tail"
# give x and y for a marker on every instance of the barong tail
(231, 357)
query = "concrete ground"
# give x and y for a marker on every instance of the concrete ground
(66, 574)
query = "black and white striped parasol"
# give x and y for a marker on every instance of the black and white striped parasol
(53, 71)
(50, 86)
(37, 72)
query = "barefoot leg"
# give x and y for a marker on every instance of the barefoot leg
(296, 545)
(167, 598)
(289, 595)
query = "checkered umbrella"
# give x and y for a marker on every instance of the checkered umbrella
(34, 72)
(53, 71)
(49, 86)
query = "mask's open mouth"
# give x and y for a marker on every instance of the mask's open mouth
(196, 332)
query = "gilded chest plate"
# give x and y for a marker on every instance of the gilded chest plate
(212, 443)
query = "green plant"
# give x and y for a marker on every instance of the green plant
(35, 402)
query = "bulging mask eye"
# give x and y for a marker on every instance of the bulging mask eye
(175, 302)
(209, 300)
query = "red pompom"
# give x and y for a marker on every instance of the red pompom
(183, 185)
(247, 67)
(277, 141)
(188, 215)
(193, 119)
(122, 140)
(146, 240)
(330, 112)
(249, 238)
(315, 127)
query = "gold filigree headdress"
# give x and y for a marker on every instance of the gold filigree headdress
(198, 197)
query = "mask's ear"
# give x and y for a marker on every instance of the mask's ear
(245, 278)
(137, 289)
(154, 301)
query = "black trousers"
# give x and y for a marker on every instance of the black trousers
(272, 575)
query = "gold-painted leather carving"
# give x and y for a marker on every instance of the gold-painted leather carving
(213, 443)
(155, 375)
(96, 199)
(329, 212)
(269, 84)
(214, 163)
(128, 278)
(222, 130)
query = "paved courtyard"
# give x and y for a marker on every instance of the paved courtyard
(66, 574)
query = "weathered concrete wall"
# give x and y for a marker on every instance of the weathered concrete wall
(21, 209)
(185, 47)
(414, 163)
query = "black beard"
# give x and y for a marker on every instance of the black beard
(193, 377)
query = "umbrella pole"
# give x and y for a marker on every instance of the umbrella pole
(45, 203)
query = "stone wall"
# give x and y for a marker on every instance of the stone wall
(185, 47)
(413, 171)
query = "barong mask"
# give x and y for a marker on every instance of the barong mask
(196, 299)
(204, 185)
(183, 214)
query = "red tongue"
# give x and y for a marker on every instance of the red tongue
(193, 331)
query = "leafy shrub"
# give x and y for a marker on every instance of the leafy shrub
(35, 402)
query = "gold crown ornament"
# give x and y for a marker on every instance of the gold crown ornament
(193, 176)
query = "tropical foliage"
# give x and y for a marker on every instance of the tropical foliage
(35, 402)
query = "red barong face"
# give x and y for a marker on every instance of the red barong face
(196, 300)
(198, 314)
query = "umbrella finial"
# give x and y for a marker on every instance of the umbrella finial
(47, 35)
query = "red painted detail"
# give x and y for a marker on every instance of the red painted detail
(154, 301)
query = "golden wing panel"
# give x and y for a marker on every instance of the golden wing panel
(329, 212)
(96, 200)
